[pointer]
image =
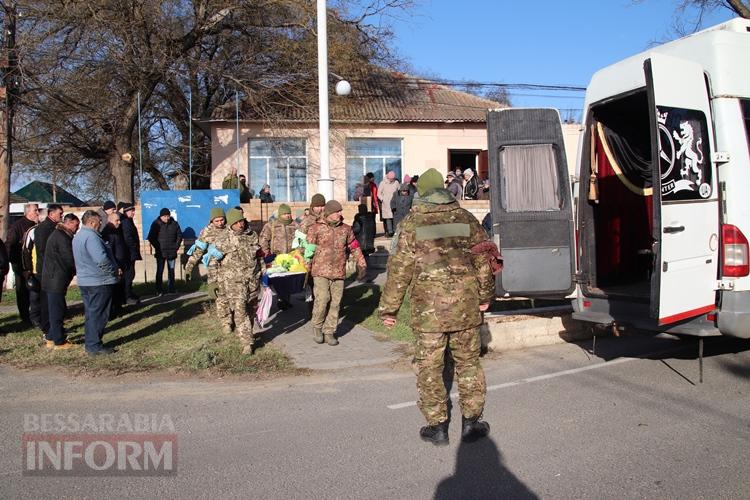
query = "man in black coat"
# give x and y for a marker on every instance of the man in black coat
(133, 242)
(112, 236)
(14, 246)
(165, 236)
(58, 271)
(41, 235)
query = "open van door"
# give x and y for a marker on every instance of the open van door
(531, 205)
(686, 207)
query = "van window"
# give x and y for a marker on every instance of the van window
(530, 183)
(745, 103)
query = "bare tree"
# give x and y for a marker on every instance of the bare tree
(88, 64)
(690, 14)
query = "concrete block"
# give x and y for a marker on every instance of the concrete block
(521, 331)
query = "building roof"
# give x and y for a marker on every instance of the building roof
(14, 198)
(376, 97)
(42, 192)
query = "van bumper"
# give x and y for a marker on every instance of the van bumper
(734, 316)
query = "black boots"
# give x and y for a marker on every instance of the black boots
(473, 429)
(435, 434)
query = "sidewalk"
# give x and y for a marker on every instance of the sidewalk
(357, 346)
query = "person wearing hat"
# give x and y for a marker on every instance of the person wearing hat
(204, 250)
(165, 237)
(133, 242)
(333, 239)
(276, 238)
(317, 203)
(438, 256)
(238, 278)
(454, 186)
(109, 207)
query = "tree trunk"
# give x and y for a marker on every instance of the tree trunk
(122, 172)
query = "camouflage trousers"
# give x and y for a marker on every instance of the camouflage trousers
(236, 302)
(222, 306)
(429, 362)
(327, 293)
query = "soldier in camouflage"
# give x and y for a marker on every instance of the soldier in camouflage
(328, 269)
(452, 285)
(317, 203)
(238, 276)
(203, 250)
(276, 237)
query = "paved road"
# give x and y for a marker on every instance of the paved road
(564, 425)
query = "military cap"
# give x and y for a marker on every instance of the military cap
(432, 179)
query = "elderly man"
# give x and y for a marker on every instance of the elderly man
(14, 246)
(97, 274)
(165, 237)
(238, 276)
(333, 239)
(437, 257)
(59, 269)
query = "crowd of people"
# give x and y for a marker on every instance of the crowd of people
(440, 252)
(391, 200)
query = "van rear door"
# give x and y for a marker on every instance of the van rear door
(531, 204)
(686, 208)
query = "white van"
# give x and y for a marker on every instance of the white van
(661, 249)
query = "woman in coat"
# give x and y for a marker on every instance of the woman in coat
(387, 189)
(401, 204)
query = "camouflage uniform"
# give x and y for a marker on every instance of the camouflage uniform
(432, 254)
(238, 276)
(308, 221)
(208, 236)
(328, 269)
(276, 238)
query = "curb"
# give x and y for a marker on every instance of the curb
(522, 331)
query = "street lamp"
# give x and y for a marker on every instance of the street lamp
(343, 88)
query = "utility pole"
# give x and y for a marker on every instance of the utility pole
(9, 89)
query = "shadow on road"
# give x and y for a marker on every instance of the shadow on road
(480, 474)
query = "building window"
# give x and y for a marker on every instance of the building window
(378, 156)
(280, 163)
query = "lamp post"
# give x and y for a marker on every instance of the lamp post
(325, 183)
(343, 88)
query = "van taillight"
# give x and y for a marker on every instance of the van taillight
(734, 252)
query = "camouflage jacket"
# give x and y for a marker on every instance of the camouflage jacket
(433, 256)
(241, 264)
(307, 222)
(331, 252)
(277, 238)
(208, 235)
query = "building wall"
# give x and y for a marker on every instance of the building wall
(423, 146)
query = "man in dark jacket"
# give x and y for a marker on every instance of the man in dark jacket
(165, 236)
(14, 245)
(41, 235)
(112, 236)
(133, 242)
(58, 271)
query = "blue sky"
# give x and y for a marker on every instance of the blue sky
(541, 42)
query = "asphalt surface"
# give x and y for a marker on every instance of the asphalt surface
(565, 424)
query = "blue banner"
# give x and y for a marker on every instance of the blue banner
(191, 209)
